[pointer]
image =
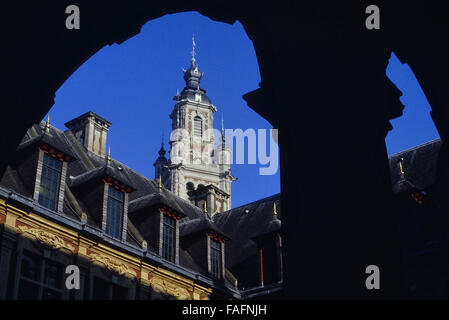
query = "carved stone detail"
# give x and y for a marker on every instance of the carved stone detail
(163, 286)
(47, 238)
(111, 264)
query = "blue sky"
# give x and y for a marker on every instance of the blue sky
(132, 85)
(415, 126)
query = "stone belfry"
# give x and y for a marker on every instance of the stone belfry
(199, 170)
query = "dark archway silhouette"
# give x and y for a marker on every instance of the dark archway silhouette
(323, 85)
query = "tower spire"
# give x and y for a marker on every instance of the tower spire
(193, 49)
(193, 75)
(222, 128)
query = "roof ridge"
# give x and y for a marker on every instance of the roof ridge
(124, 165)
(75, 150)
(254, 202)
(415, 147)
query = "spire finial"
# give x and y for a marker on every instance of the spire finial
(47, 124)
(193, 48)
(162, 149)
(401, 169)
(108, 157)
(222, 122)
(223, 137)
(275, 211)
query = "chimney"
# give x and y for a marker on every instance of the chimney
(91, 131)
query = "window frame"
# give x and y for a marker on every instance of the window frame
(42, 178)
(165, 226)
(216, 270)
(111, 289)
(110, 199)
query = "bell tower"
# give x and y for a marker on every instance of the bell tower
(199, 169)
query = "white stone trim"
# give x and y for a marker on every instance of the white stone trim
(62, 182)
(105, 207)
(161, 230)
(222, 247)
(176, 241)
(125, 217)
(209, 262)
(37, 184)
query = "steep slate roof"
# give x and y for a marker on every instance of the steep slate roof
(53, 137)
(245, 223)
(189, 94)
(153, 199)
(423, 227)
(104, 170)
(419, 165)
(12, 180)
(199, 224)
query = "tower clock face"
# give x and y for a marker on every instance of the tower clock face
(197, 97)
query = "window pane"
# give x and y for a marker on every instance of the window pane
(168, 235)
(169, 221)
(215, 257)
(116, 194)
(27, 290)
(50, 178)
(119, 293)
(52, 275)
(30, 267)
(114, 213)
(100, 289)
(49, 294)
(52, 162)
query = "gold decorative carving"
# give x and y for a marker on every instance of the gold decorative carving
(47, 238)
(111, 263)
(163, 286)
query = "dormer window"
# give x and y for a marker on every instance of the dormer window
(215, 254)
(114, 212)
(158, 223)
(168, 237)
(215, 258)
(50, 178)
(49, 182)
(106, 199)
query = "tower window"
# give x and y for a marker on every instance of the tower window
(168, 238)
(50, 180)
(114, 212)
(215, 257)
(197, 127)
